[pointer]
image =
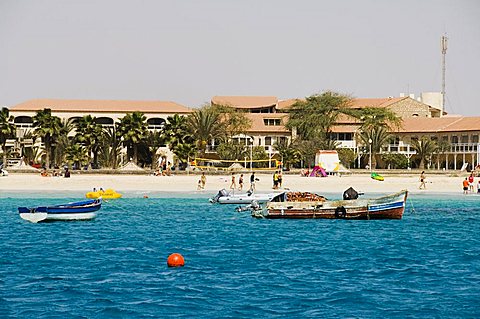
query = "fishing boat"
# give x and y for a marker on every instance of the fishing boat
(386, 207)
(225, 197)
(83, 210)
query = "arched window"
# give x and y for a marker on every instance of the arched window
(104, 121)
(75, 119)
(23, 121)
(155, 123)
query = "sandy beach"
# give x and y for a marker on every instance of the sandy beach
(188, 183)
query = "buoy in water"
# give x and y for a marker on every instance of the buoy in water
(145, 196)
(175, 260)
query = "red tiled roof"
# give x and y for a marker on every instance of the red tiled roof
(380, 102)
(345, 128)
(101, 106)
(259, 126)
(246, 102)
(442, 124)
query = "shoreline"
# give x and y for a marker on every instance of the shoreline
(33, 182)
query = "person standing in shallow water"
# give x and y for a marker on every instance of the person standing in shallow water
(465, 185)
(203, 180)
(422, 181)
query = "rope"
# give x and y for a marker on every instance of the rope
(411, 204)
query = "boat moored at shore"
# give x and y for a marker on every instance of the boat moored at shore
(84, 210)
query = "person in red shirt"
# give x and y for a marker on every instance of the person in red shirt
(470, 182)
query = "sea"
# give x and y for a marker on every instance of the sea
(426, 265)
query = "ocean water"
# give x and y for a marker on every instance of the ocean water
(426, 265)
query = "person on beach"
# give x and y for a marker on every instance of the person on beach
(67, 173)
(471, 180)
(279, 179)
(275, 180)
(203, 179)
(252, 183)
(422, 181)
(478, 187)
(233, 185)
(240, 182)
(199, 185)
(465, 185)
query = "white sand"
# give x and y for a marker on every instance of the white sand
(188, 183)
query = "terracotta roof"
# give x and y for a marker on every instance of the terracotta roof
(380, 102)
(101, 106)
(246, 102)
(259, 126)
(345, 128)
(284, 104)
(442, 124)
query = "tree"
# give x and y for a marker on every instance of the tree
(155, 140)
(395, 160)
(63, 141)
(133, 129)
(206, 124)
(425, 147)
(314, 117)
(110, 148)
(178, 136)
(76, 154)
(7, 130)
(230, 151)
(347, 156)
(289, 154)
(374, 117)
(89, 133)
(47, 127)
(375, 138)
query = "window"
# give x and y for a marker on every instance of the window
(271, 122)
(282, 140)
(268, 140)
(464, 138)
(475, 138)
(454, 139)
(445, 138)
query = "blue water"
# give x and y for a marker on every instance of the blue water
(426, 265)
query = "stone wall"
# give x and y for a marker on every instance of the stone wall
(410, 108)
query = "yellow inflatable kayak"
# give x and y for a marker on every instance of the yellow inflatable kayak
(377, 177)
(105, 194)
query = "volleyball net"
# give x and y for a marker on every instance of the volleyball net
(236, 165)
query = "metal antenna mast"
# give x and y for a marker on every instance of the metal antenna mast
(444, 53)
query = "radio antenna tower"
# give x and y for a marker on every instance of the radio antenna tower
(444, 53)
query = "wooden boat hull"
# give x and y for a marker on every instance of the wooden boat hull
(84, 210)
(382, 208)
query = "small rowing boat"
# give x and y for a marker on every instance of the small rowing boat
(83, 210)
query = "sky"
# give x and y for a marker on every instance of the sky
(189, 51)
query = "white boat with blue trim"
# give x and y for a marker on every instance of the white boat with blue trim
(83, 210)
(292, 205)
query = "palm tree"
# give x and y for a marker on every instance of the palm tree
(154, 140)
(178, 137)
(63, 141)
(48, 128)
(425, 147)
(89, 133)
(7, 130)
(110, 148)
(375, 138)
(76, 154)
(206, 124)
(133, 129)
(290, 155)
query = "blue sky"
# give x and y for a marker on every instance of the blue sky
(188, 51)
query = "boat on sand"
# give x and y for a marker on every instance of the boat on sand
(83, 210)
(281, 206)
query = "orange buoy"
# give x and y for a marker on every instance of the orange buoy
(175, 260)
(145, 196)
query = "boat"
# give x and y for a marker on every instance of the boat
(83, 210)
(105, 194)
(386, 207)
(377, 177)
(225, 197)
